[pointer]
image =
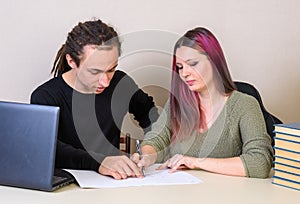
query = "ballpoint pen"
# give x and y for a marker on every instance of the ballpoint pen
(138, 148)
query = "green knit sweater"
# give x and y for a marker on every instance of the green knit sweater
(239, 130)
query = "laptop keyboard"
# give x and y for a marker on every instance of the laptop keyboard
(58, 179)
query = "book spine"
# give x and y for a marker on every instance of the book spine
(295, 126)
(292, 136)
(288, 180)
(289, 128)
(293, 160)
(288, 150)
(294, 188)
(287, 172)
(298, 168)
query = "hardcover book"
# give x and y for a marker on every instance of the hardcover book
(287, 175)
(287, 144)
(293, 155)
(285, 136)
(288, 128)
(287, 161)
(286, 168)
(286, 183)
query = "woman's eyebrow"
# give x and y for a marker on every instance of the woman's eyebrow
(192, 59)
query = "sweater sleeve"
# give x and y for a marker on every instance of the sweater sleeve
(160, 135)
(257, 152)
(73, 158)
(142, 106)
(67, 156)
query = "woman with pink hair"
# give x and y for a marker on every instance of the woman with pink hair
(207, 124)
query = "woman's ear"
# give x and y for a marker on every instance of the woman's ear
(70, 61)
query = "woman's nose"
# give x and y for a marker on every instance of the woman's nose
(185, 72)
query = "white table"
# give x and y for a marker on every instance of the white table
(214, 189)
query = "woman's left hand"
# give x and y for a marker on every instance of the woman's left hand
(180, 161)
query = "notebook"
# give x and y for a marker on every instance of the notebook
(28, 135)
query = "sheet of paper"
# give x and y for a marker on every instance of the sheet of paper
(91, 179)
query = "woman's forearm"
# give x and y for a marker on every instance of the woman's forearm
(229, 166)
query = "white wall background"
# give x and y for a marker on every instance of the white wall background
(260, 39)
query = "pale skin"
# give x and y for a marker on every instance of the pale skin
(93, 75)
(196, 71)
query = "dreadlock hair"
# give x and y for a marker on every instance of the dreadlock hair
(87, 33)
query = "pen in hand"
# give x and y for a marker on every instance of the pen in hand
(138, 148)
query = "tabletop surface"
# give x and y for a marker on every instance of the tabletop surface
(215, 188)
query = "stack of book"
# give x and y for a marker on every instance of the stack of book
(287, 155)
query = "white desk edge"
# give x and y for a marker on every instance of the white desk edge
(215, 188)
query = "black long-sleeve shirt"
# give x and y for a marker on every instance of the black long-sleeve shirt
(89, 124)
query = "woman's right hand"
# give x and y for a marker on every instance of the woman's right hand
(149, 156)
(145, 161)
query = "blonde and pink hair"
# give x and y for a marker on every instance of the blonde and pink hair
(185, 105)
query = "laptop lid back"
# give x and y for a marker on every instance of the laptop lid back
(27, 144)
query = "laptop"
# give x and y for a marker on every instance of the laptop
(28, 134)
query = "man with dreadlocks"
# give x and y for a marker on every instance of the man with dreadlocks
(93, 98)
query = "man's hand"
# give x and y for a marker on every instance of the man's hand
(119, 167)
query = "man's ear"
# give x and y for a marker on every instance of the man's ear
(70, 61)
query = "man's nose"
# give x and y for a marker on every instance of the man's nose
(104, 80)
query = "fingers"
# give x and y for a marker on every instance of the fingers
(119, 167)
(175, 162)
(146, 160)
(109, 172)
(128, 168)
(135, 158)
(116, 175)
(140, 164)
(163, 166)
(135, 169)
